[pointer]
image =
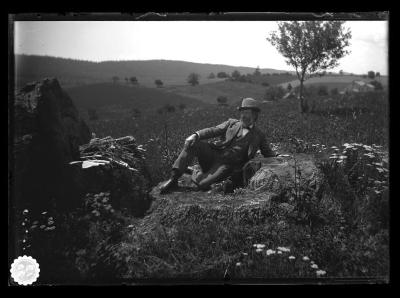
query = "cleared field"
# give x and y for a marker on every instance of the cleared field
(331, 82)
(209, 93)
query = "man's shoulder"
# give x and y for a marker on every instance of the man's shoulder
(232, 121)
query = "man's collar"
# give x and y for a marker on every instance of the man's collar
(249, 127)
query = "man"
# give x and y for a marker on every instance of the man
(219, 160)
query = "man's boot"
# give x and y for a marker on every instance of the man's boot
(171, 184)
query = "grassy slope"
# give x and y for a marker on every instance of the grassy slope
(72, 72)
(208, 93)
(331, 82)
(108, 95)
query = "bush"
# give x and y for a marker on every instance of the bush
(235, 75)
(222, 75)
(158, 83)
(377, 85)
(222, 100)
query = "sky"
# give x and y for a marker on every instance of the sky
(236, 43)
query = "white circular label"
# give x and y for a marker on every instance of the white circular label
(25, 270)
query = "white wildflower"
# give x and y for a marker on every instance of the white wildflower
(305, 258)
(270, 252)
(320, 272)
(314, 266)
(284, 249)
(292, 257)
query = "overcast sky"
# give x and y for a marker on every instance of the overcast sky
(237, 43)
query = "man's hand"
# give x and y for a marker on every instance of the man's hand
(189, 142)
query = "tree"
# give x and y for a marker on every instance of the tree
(115, 79)
(235, 75)
(257, 72)
(158, 83)
(371, 75)
(310, 46)
(378, 74)
(182, 106)
(211, 76)
(133, 80)
(193, 79)
(289, 87)
(222, 75)
(341, 72)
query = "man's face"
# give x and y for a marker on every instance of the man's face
(248, 117)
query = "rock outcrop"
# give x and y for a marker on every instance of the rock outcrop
(47, 132)
(116, 166)
(261, 198)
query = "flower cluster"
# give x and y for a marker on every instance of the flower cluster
(99, 203)
(280, 250)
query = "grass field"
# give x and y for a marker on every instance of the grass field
(346, 235)
(208, 93)
(331, 82)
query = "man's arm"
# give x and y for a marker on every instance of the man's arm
(215, 131)
(265, 148)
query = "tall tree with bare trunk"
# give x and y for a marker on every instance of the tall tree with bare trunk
(310, 46)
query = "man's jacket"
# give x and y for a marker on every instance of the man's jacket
(232, 128)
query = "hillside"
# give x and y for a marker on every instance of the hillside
(209, 93)
(75, 72)
(339, 82)
(112, 97)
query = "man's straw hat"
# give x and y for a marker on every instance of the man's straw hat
(249, 103)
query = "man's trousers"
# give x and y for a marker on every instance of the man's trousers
(215, 166)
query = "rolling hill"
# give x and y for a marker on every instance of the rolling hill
(109, 96)
(75, 72)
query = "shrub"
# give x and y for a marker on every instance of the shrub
(158, 83)
(222, 100)
(222, 75)
(377, 85)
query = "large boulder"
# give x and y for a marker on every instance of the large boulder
(116, 166)
(278, 173)
(252, 204)
(47, 132)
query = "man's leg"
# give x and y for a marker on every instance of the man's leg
(217, 173)
(200, 149)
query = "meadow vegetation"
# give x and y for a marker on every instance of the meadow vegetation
(344, 235)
